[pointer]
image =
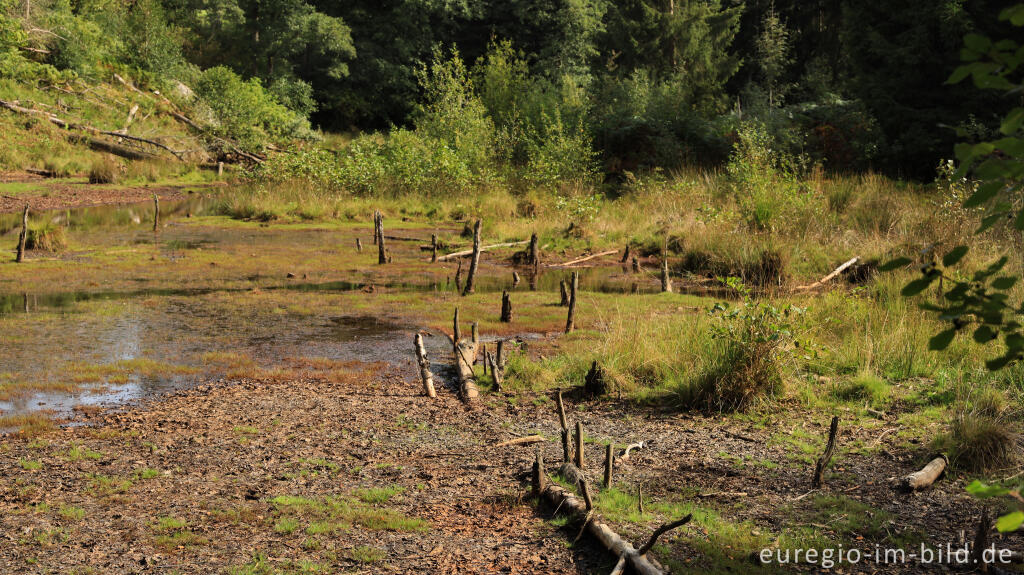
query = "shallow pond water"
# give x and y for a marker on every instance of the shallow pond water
(140, 330)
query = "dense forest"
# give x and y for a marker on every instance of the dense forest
(632, 84)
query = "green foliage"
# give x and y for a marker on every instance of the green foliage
(755, 338)
(244, 111)
(764, 179)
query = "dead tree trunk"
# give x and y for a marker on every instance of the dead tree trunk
(425, 375)
(570, 322)
(823, 461)
(926, 476)
(515, 279)
(565, 294)
(570, 503)
(465, 354)
(456, 332)
(636, 265)
(506, 307)
(496, 372)
(359, 245)
(476, 259)
(458, 277)
(433, 248)
(22, 237)
(565, 426)
(579, 445)
(382, 256)
(534, 250)
(156, 213)
(666, 280)
(609, 465)
(626, 254)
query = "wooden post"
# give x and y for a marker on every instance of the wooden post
(433, 248)
(486, 354)
(609, 464)
(500, 355)
(819, 468)
(625, 254)
(534, 252)
(456, 332)
(458, 277)
(636, 265)
(23, 236)
(640, 499)
(376, 220)
(515, 279)
(666, 280)
(475, 333)
(425, 375)
(565, 295)
(579, 445)
(156, 212)
(359, 245)
(382, 256)
(506, 307)
(476, 259)
(465, 354)
(570, 322)
(220, 169)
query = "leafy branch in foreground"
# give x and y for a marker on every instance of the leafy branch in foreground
(984, 301)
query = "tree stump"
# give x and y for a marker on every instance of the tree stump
(570, 321)
(823, 461)
(594, 383)
(666, 280)
(636, 265)
(565, 294)
(506, 307)
(534, 250)
(156, 213)
(425, 375)
(433, 248)
(626, 254)
(475, 261)
(22, 237)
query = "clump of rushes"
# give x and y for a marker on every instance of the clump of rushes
(103, 171)
(980, 442)
(48, 238)
(747, 365)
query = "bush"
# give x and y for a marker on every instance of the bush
(747, 365)
(48, 238)
(104, 171)
(244, 111)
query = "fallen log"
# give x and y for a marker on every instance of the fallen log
(829, 277)
(926, 476)
(583, 259)
(425, 375)
(464, 253)
(111, 147)
(637, 559)
(528, 440)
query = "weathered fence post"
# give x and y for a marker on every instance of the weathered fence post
(636, 265)
(570, 322)
(565, 294)
(23, 236)
(476, 259)
(359, 245)
(425, 375)
(534, 255)
(506, 307)
(433, 248)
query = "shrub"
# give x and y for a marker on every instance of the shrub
(764, 180)
(747, 366)
(48, 238)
